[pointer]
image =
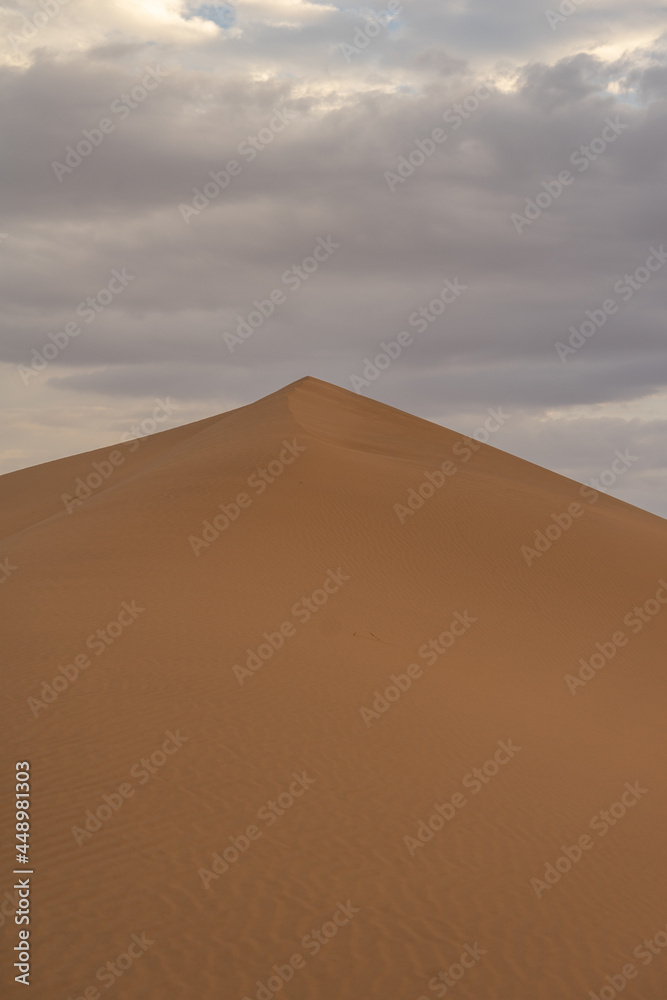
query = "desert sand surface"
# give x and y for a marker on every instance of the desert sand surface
(285, 696)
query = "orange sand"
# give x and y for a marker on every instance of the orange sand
(368, 779)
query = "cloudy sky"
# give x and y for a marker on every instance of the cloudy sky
(364, 157)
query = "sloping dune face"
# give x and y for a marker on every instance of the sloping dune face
(323, 701)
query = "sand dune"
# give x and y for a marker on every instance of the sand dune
(307, 696)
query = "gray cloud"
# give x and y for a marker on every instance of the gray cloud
(323, 174)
